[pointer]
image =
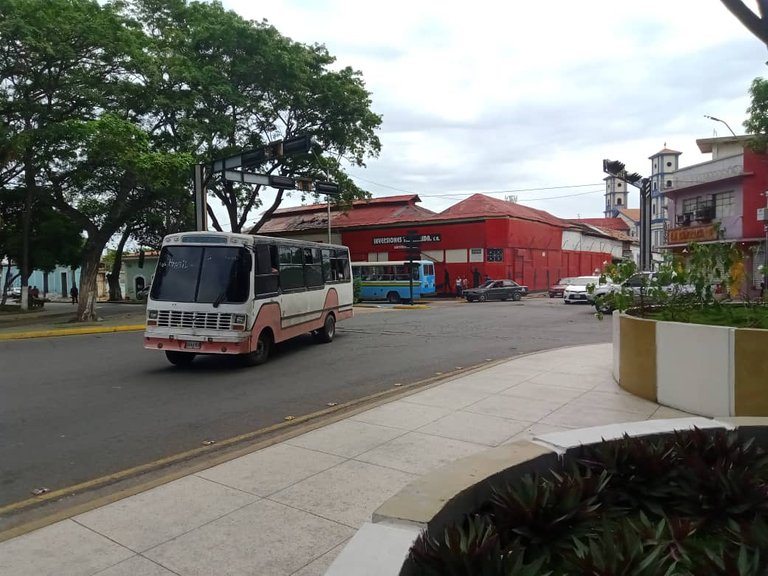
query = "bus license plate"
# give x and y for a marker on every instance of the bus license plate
(190, 345)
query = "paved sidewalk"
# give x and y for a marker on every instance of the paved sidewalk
(288, 510)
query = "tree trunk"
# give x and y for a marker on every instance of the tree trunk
(114, 276)
(86, 308)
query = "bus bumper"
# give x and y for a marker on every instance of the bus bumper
(239, 344)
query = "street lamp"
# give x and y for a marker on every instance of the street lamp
(618, 170)
(718, 120)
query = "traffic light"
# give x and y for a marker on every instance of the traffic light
(613, 167)
(304, 184)
(327, 188)
(297, 145)
(283, 182)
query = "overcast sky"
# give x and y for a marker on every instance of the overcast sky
(516, 97)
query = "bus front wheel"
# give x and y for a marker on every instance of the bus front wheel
(261, 353)
(328, 331)
(179, 358)
(393, 298)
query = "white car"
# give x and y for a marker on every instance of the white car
(636, 283)
(577, 290)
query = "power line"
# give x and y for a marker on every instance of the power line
(490, 192)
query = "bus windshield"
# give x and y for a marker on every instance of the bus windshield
(205, 274)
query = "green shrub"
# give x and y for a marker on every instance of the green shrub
(356, 289)
(688, 503)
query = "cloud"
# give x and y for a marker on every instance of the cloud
(506, 96)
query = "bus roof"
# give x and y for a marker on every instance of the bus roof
(391, 262)
(215, 237)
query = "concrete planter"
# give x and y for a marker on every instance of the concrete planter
(706, 370)
(380, 548)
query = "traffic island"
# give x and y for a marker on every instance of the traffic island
(423, 525)
(702, 369)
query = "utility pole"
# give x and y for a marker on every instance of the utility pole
(413, 247)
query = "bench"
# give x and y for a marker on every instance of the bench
(36, 303)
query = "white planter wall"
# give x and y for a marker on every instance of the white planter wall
(693, 367)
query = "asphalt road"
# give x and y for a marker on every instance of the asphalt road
(79, 407)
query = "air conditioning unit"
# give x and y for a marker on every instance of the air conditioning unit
(683, 219)
(762, 214)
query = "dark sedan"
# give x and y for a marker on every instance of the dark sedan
(496, 290)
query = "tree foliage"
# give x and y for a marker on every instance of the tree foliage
(108, 105)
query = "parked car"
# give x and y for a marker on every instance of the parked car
(636, 283)
(576, 291)
(557, 289)
(496, 290)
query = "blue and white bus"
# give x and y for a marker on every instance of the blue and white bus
(390, 280)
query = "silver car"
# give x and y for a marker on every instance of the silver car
(577, 290)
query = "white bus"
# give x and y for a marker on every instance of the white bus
(224, 293)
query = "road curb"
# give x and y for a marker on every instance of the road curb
(411, 307)
(71, 332)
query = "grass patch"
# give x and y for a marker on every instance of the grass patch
(733, 315)
(10, 308)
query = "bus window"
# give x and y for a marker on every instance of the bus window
(340, 265)
(291, 268)
(266, 270)
(313, 272)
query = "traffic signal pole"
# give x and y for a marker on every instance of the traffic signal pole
(618, 170)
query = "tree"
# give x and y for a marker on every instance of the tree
(757, 122)
(59, 60)
(54, 238)
(758, 25)
(223, 84)
(108, 173)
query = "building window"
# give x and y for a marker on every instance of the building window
(690, 205)
(724, 204)
(669, 183)
(655, 186)
(653, 207)
(618, 201)
(669, 164)
(618, 184)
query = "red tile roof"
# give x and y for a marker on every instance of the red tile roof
(664, 151)
(393, 210)
(480, 205)
(609, 223)
(631, 213)
(382, 211)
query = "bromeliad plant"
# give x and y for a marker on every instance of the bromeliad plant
(685, 504)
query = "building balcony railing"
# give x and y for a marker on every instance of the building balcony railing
(712, 171)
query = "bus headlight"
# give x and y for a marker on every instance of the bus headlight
(238, 319)
(152, 314)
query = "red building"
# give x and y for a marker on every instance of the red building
(495, 237)
(718, 201)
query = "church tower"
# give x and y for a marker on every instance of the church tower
(615, 196)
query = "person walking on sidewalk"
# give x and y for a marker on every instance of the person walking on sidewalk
(458, 286)
(74, 293)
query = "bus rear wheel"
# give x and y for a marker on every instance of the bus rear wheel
(261, 353)
(328, 331)
(393, 298)
(179, 358)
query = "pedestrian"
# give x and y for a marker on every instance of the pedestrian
(476, 278)
(464, 284)
(447, 282)
(74, 293)
(458, 286)
(35, 293)
(487, 278)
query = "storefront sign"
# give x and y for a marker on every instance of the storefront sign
(691, 234)
(383, 240)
